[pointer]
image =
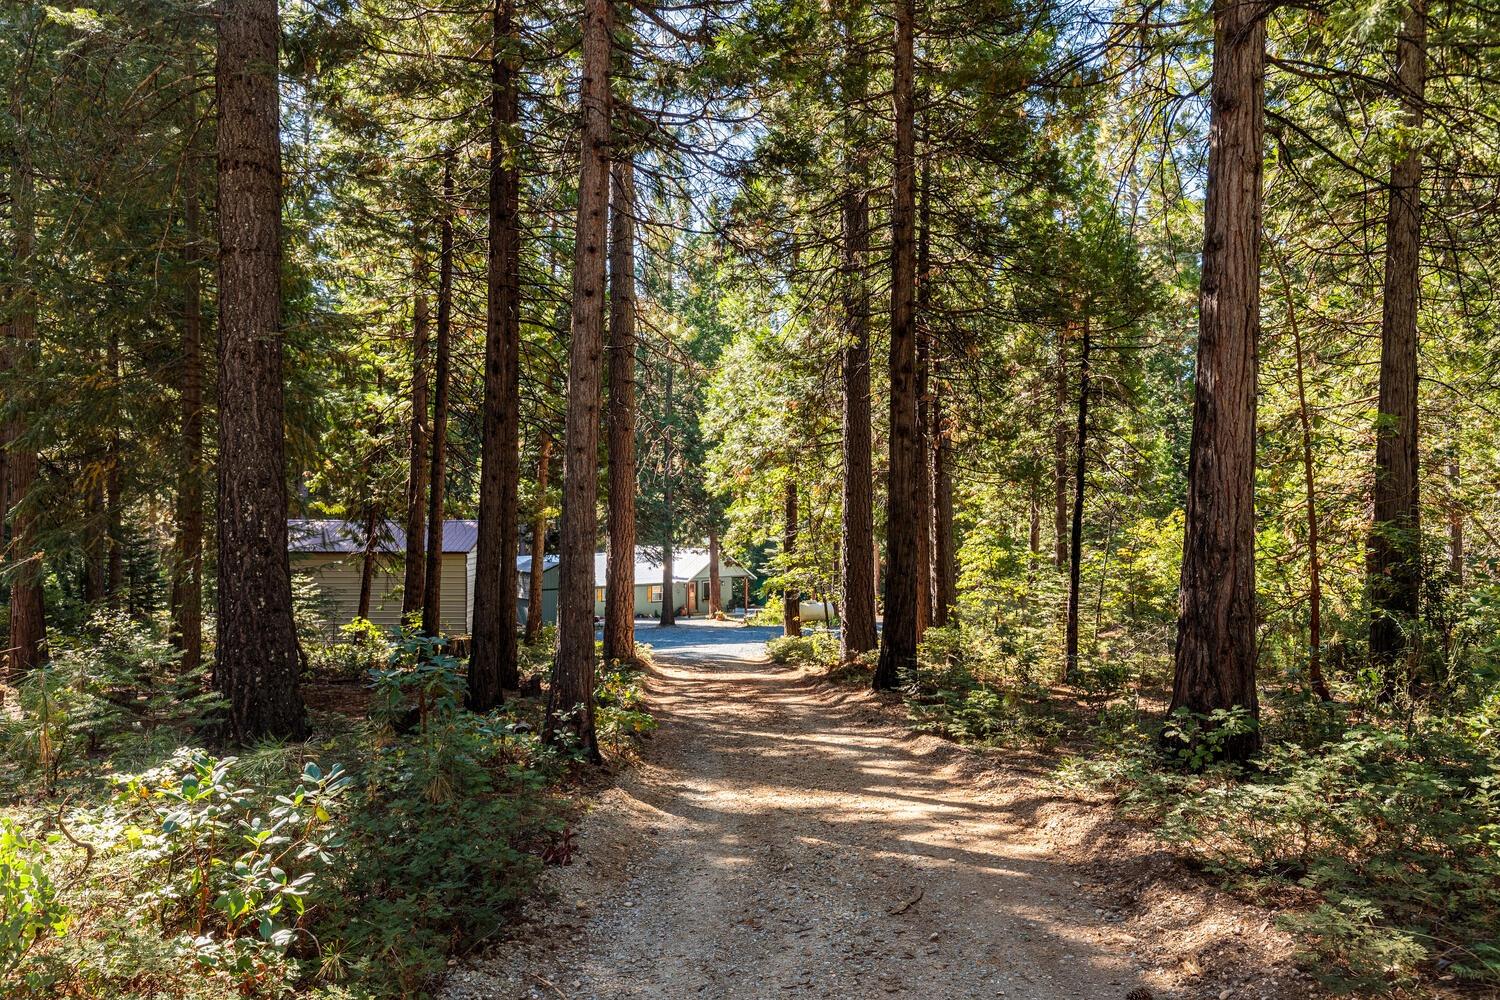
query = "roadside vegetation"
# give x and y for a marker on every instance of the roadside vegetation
(138, 858)
(1371, 826)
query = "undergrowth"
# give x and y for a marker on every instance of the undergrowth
(1373, 829)
(135, 860)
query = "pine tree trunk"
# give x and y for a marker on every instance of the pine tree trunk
(1075, 548)
(187, 553)
(570, 701)
(27, 640)
(922, 322)
(1060, 453)
(258, 661)
(857, 548)
(791, 598)
(432, 584)
(493, 664)
(414, 586)
(368, 559)
(1035, 536)
(1314, 562)
(114, 501)
(1395, 551)
(898, 639)
(538, 543)
(945, 552)
(669, 515)
(1455, 525)
(715, 598)
(96, 546)
(1215, 658)
(619, 592)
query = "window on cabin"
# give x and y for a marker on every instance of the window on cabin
(653, 594)
(598, 594)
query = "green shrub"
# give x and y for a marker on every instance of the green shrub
(29, 906)
(117, 691)
(361, 646)
(227, 870)
(446, 837)
(188, 882)
(1392, 833)
(950, 701)
(1398, 832)
(620, 706)
(814, 646)
(768, 616)
(205, 878)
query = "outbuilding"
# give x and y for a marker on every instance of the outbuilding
(691, 581)
(332, 553)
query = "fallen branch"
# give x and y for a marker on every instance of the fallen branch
(549, 984)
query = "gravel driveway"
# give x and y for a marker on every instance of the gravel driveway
(783, 838)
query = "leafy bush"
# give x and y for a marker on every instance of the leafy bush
(814, 646)
(951, 702)
(418, 677)
(361, 646)
(191, 883)
(535, 658)
(214, 860)
(203, 878)
(620, 711)
(445, 838)
(767, 616)
(29, 904)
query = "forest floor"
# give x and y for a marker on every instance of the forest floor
(783, 836)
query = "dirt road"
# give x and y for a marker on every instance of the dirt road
(783, 838)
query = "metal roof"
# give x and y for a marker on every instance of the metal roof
(686, 564)
(332, 535)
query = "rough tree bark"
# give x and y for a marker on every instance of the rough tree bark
(95, 545)
(669, 525)
(114, 500)
(619, 593)
(1060, 453)
(1395, 556)
(715, 598)
(857, 551)
(945, 549)
(257, 656)
(1215, 658)
(187, 551)
(26, 647)
(538, 542)
(432, 582)
(922, 322)
(898, 639)
(493, 662)
(791, 598)
(570, 700)
(1075, 537)
(924, 471)
(414, 586)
